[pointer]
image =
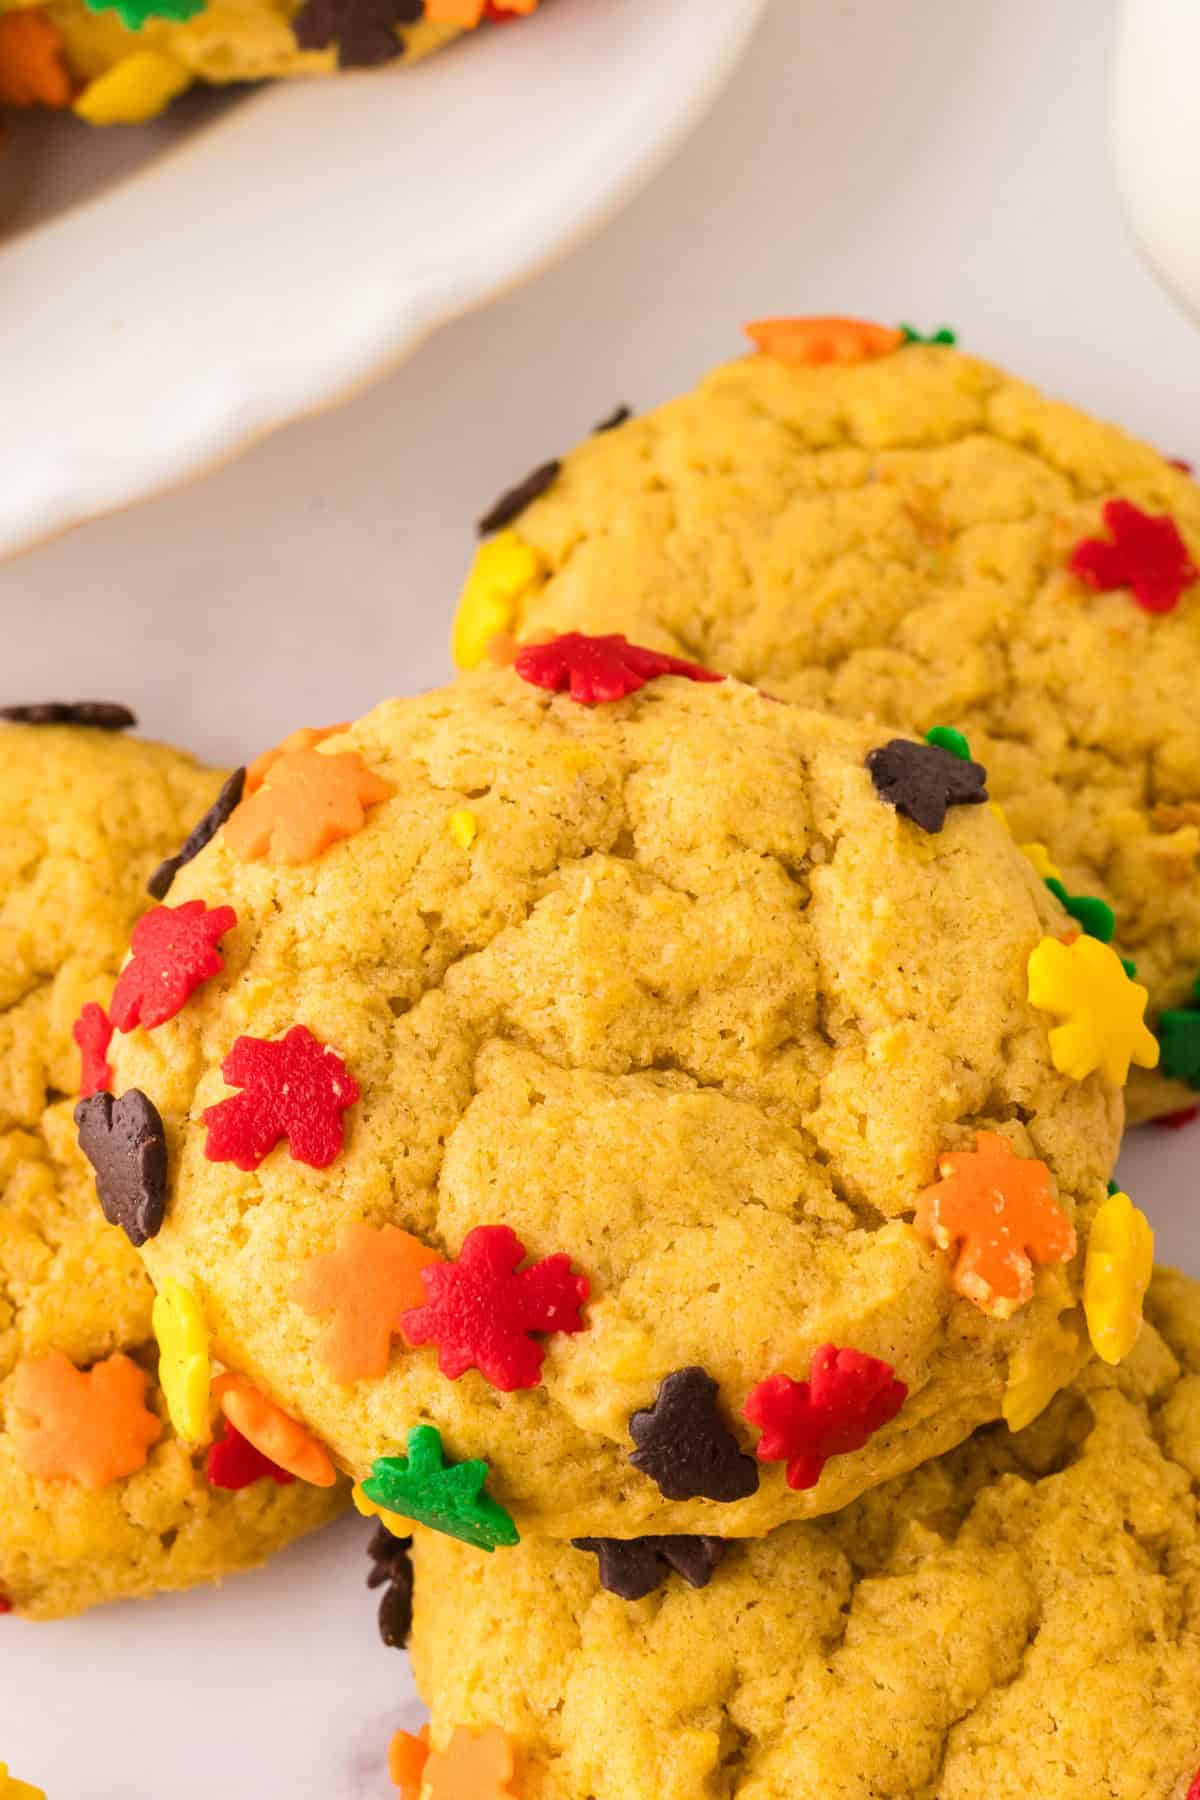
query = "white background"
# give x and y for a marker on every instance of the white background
(938, 161)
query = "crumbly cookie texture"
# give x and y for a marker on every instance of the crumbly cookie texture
(1019, 1617)
(687, 1004)
(891, 540)
(84, 818)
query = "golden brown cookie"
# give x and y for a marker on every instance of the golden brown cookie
(622, 1090)
(1019, 1617)
(900, 539)
(85, 817)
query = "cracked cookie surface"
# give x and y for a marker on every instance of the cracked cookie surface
(689, 1005)
(891, 541)
(1019, 1617)
(84, 819)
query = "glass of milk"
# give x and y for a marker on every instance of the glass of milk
(1154, 135)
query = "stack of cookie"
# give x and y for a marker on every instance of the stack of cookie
(607, 1112)
(658, 1140)
(890, 529)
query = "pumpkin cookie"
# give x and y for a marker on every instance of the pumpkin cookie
(618, 1105)
(901, 532)
(100, 1497)
(1021, 1616)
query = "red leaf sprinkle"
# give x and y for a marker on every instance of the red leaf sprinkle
(235, 1463)
(174, 950)
(595, 670)
(93, 1031)
(480, 1310)
(295, 1087)
(847, 1398)
(1146, 553)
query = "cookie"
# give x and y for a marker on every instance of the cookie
(84, 819)
(919, 539)
(71, 1286)
(596, 1123)
(124, 61)
(1020, 1616)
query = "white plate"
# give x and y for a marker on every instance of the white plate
(301, 242)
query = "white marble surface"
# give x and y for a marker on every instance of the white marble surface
(941, 161)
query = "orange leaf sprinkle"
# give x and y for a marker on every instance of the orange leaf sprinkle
(473, 1766)
(367, 1283)
(805, 343)
(91, 1426)
(32, 70)
(272, 1431)
(407, 1756)
(997, 1209)
(307, 802)
(307, 738)
(466, 14)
